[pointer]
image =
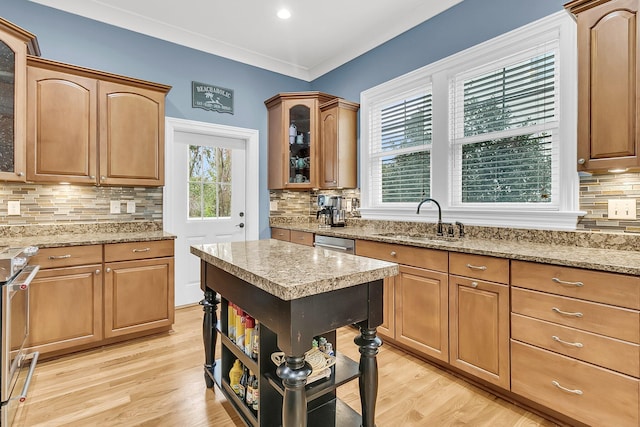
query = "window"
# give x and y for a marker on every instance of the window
(503, 123)
(209, 182)
(488, 132)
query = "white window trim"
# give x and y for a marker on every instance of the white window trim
(562, 215)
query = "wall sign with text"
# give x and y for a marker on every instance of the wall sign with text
(212, 98)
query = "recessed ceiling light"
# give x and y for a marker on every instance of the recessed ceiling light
(284, 14)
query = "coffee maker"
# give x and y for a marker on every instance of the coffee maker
(331, 211)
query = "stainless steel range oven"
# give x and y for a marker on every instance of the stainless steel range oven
(16, 366)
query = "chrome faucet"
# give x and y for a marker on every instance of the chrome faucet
(428, 199)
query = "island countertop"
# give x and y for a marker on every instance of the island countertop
(290, 271)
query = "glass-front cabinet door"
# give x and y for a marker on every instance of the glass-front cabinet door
(300, 137)
(15, 43)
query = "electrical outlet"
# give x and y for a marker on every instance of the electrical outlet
(273, 205)
(622, 209)
(114, 207)
(13, 207)
(131, 207)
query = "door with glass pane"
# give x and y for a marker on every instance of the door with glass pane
(208, 201)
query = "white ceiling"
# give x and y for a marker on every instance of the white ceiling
(319, 36)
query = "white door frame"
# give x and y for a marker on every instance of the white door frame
(251, 136)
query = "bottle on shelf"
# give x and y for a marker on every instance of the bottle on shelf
(256, 340)
(231, 322)
(242, 388)
(240, 323)
(256, 396)
(235, 375)
(248, 399)
(249, 326)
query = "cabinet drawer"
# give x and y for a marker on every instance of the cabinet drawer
(402, 254)
(602, 319)
(281, 234)
(599, 286)
(603, 351)
(479, 267)
(68, 256)
(138, 250)
(607, 398)
(301, 237)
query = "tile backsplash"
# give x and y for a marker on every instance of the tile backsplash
(595, 191)
(65, 204)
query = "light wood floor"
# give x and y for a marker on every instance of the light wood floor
(158, 381)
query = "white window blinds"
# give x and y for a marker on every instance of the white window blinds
(400, 150)
(504, 118)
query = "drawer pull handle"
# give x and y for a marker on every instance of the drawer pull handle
(574, 344)
(60, 256)
(393, 253)
(562, 282)
(568, 390)
(566, 313)
(142, 250)
(477, 267)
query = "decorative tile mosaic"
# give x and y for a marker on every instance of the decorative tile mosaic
(44, 204)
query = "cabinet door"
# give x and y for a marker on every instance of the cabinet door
(138, 296)
(131, 135)
(13, 113)
(338, 139)
(61, 127)
(421, 301)
(65, 308)
(608, 64)
(479, 329)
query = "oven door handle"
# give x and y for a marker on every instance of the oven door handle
(325, 245)
(27, 382)
(20, 283)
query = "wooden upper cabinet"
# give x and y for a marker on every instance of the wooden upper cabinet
(62, 130)
(338, 133)
(89, 127)
(312, 141)
(608, 75)
(15, 44)
(131, 135)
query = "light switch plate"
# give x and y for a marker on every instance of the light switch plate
(622, 209)
(114, 207)
(131, 207)
(13, 207)
(273, 205)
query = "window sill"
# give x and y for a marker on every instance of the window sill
(531, 219)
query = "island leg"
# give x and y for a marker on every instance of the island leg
(294, 372)
(369, 344)
(209, 306)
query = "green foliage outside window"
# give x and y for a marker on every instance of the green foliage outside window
(209, 182)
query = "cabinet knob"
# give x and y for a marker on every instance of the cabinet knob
(474, 284)
(581, 161)
(92, 177)
(97, 271)
(20, 173)
(108, 270)
(102, 177)
(393, 253)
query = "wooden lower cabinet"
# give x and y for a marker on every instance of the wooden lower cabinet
(85, 296)
(421, 311)
(479, 329)
(387, 328)
(138, 296)
(65, 308)
(587, 393)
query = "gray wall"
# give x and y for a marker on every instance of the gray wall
(76, 40)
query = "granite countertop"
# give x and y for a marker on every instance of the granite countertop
(611, 260)
(291, 271)
(54, 241)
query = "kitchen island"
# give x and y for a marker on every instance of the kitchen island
(296, 293)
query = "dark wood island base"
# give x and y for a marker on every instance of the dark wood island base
(289, 325)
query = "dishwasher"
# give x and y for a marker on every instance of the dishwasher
(335, 244)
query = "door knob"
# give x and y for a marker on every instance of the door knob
(241, 225)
